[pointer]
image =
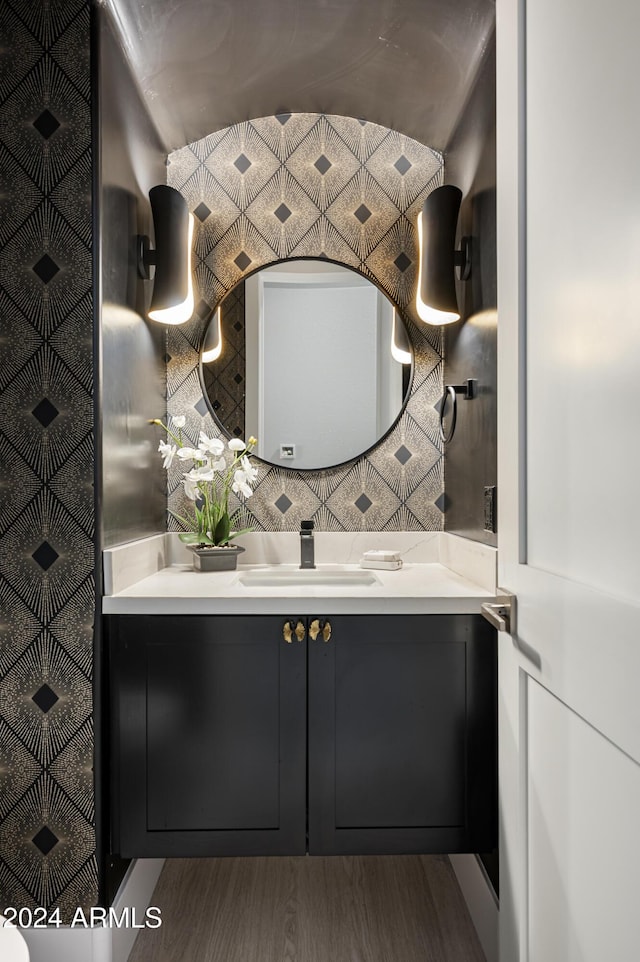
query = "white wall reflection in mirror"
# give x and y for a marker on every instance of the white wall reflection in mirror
(306, 364)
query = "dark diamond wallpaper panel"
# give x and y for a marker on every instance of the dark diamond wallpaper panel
(47, 839)
(313, 185)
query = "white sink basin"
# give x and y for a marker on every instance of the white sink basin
(299, 577)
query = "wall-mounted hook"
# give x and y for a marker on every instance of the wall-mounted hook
(469, 391)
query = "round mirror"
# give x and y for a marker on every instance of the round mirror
(311, 358)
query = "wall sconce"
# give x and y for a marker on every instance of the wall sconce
(172, 301)
(212, 346)
(436, 301)
(400, 344)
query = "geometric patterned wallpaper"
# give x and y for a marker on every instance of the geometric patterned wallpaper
(47, 837)
(308, 185)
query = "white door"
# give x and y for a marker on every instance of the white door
(569, 469)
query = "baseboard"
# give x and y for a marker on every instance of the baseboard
(481, 901)
(100, 944)
(135, 891)
(68, 945)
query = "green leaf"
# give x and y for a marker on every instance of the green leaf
(192, 537)
(221, 534)
(236, 534)
(189, 537)
(187, 522)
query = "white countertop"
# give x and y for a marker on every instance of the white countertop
(429, 588)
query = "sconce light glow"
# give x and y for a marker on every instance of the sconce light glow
(212, 348)
(173, 298)
(430, 315)
(400, 346)
(436, 299)
(178, 313)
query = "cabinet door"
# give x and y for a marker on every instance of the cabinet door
(209, 736)
(402, 750)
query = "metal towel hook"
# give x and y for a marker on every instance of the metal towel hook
(469, 391)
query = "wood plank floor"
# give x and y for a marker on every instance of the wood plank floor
(404, 908)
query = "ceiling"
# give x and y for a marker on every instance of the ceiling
(205, 64)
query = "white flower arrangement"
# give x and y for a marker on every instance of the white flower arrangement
(217, 470)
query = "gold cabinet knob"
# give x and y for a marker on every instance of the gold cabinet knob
(288, 631)
(318, 627)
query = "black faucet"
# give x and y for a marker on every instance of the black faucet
(306, 544)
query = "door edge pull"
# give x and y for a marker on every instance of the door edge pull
(501, 613)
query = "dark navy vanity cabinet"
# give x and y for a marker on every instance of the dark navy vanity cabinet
(274, 735)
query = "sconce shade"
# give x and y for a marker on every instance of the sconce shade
(436, 301)
(172, 301)
(400, 344)
(212, 347)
